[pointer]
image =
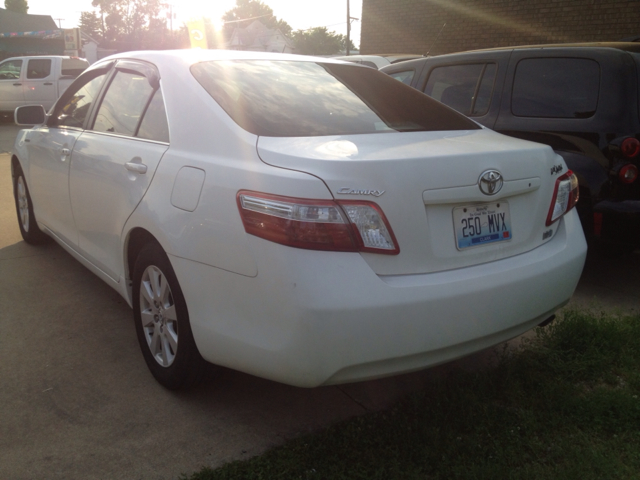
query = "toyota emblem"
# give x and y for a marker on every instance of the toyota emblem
(490, 182)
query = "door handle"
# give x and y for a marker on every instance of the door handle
(48, 83)
(17, 84)
(136, 167)
(64, 153)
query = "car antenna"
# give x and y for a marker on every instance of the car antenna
(436, 40)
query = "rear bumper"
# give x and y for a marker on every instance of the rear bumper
(312, 318)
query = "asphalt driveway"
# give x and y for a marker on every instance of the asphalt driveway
(78, 402)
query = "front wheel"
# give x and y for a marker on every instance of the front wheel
(29, 229)
(162, 322)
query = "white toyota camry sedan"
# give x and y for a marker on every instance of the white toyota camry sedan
(300, 219)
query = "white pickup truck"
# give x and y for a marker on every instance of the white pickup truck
(37, 80)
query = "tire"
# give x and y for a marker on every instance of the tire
(162, 322)
(29, 229)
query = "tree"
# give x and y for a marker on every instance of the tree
(319, 41)
(253, 9)
(127, 20)
(130, 25)
(91, 25)
(343, 44)
(18, 6)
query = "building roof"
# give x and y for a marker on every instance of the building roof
(20, 22)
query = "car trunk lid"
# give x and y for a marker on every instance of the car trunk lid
(428, 186)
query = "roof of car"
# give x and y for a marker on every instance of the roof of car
(190, 56)
(628, 46)
(400, 57)
(390, 57)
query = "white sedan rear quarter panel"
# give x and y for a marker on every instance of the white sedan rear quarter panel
(312, 318)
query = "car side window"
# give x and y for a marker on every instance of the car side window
(404, 77)
(10, 70)
(74, 111)
(124, 103)
(556, 88)
(38, 68)
(465, 88)
(154, 123)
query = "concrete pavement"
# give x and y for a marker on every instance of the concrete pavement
(78, 402)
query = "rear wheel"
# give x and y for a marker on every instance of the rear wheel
(29, 229)
(162, 322)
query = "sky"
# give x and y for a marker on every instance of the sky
(300, 14)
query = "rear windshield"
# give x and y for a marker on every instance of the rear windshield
(304, 99)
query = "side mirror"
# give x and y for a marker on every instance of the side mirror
(30, 115)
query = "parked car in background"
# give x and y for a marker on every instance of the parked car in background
(581, 99)
(36, 80)
(378, 61)
(301, 219)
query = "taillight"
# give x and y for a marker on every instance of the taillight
(630, 147)
(628, 173)
(346, 226)
(370, 227)
(565, 196)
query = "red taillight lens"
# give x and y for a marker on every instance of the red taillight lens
(630, 147)
(565, 196)
(628, 173)
(317, 224)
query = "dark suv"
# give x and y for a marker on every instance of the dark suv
(583, 100)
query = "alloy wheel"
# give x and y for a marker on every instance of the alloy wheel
(158, 316)
(23, 204)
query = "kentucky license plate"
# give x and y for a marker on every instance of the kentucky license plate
(481, 224)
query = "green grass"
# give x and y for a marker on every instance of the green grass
(565, 405)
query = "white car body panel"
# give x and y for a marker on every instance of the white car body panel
(104, 192)
(48, 176)
(341, 322)
(409, 167)
(307, 317)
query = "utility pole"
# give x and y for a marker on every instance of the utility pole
(59, 22)
(348, 28)
(170, 7)
(349, 18)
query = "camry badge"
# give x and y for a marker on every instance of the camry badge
(490, 182)
(359, 191)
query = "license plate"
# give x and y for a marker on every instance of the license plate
(481, 224)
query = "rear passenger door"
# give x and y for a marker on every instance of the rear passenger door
(39, 83)
(469, 83)
(115, 159)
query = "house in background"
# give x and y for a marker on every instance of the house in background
(92, 51)
(23, 34)
(258, 38)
